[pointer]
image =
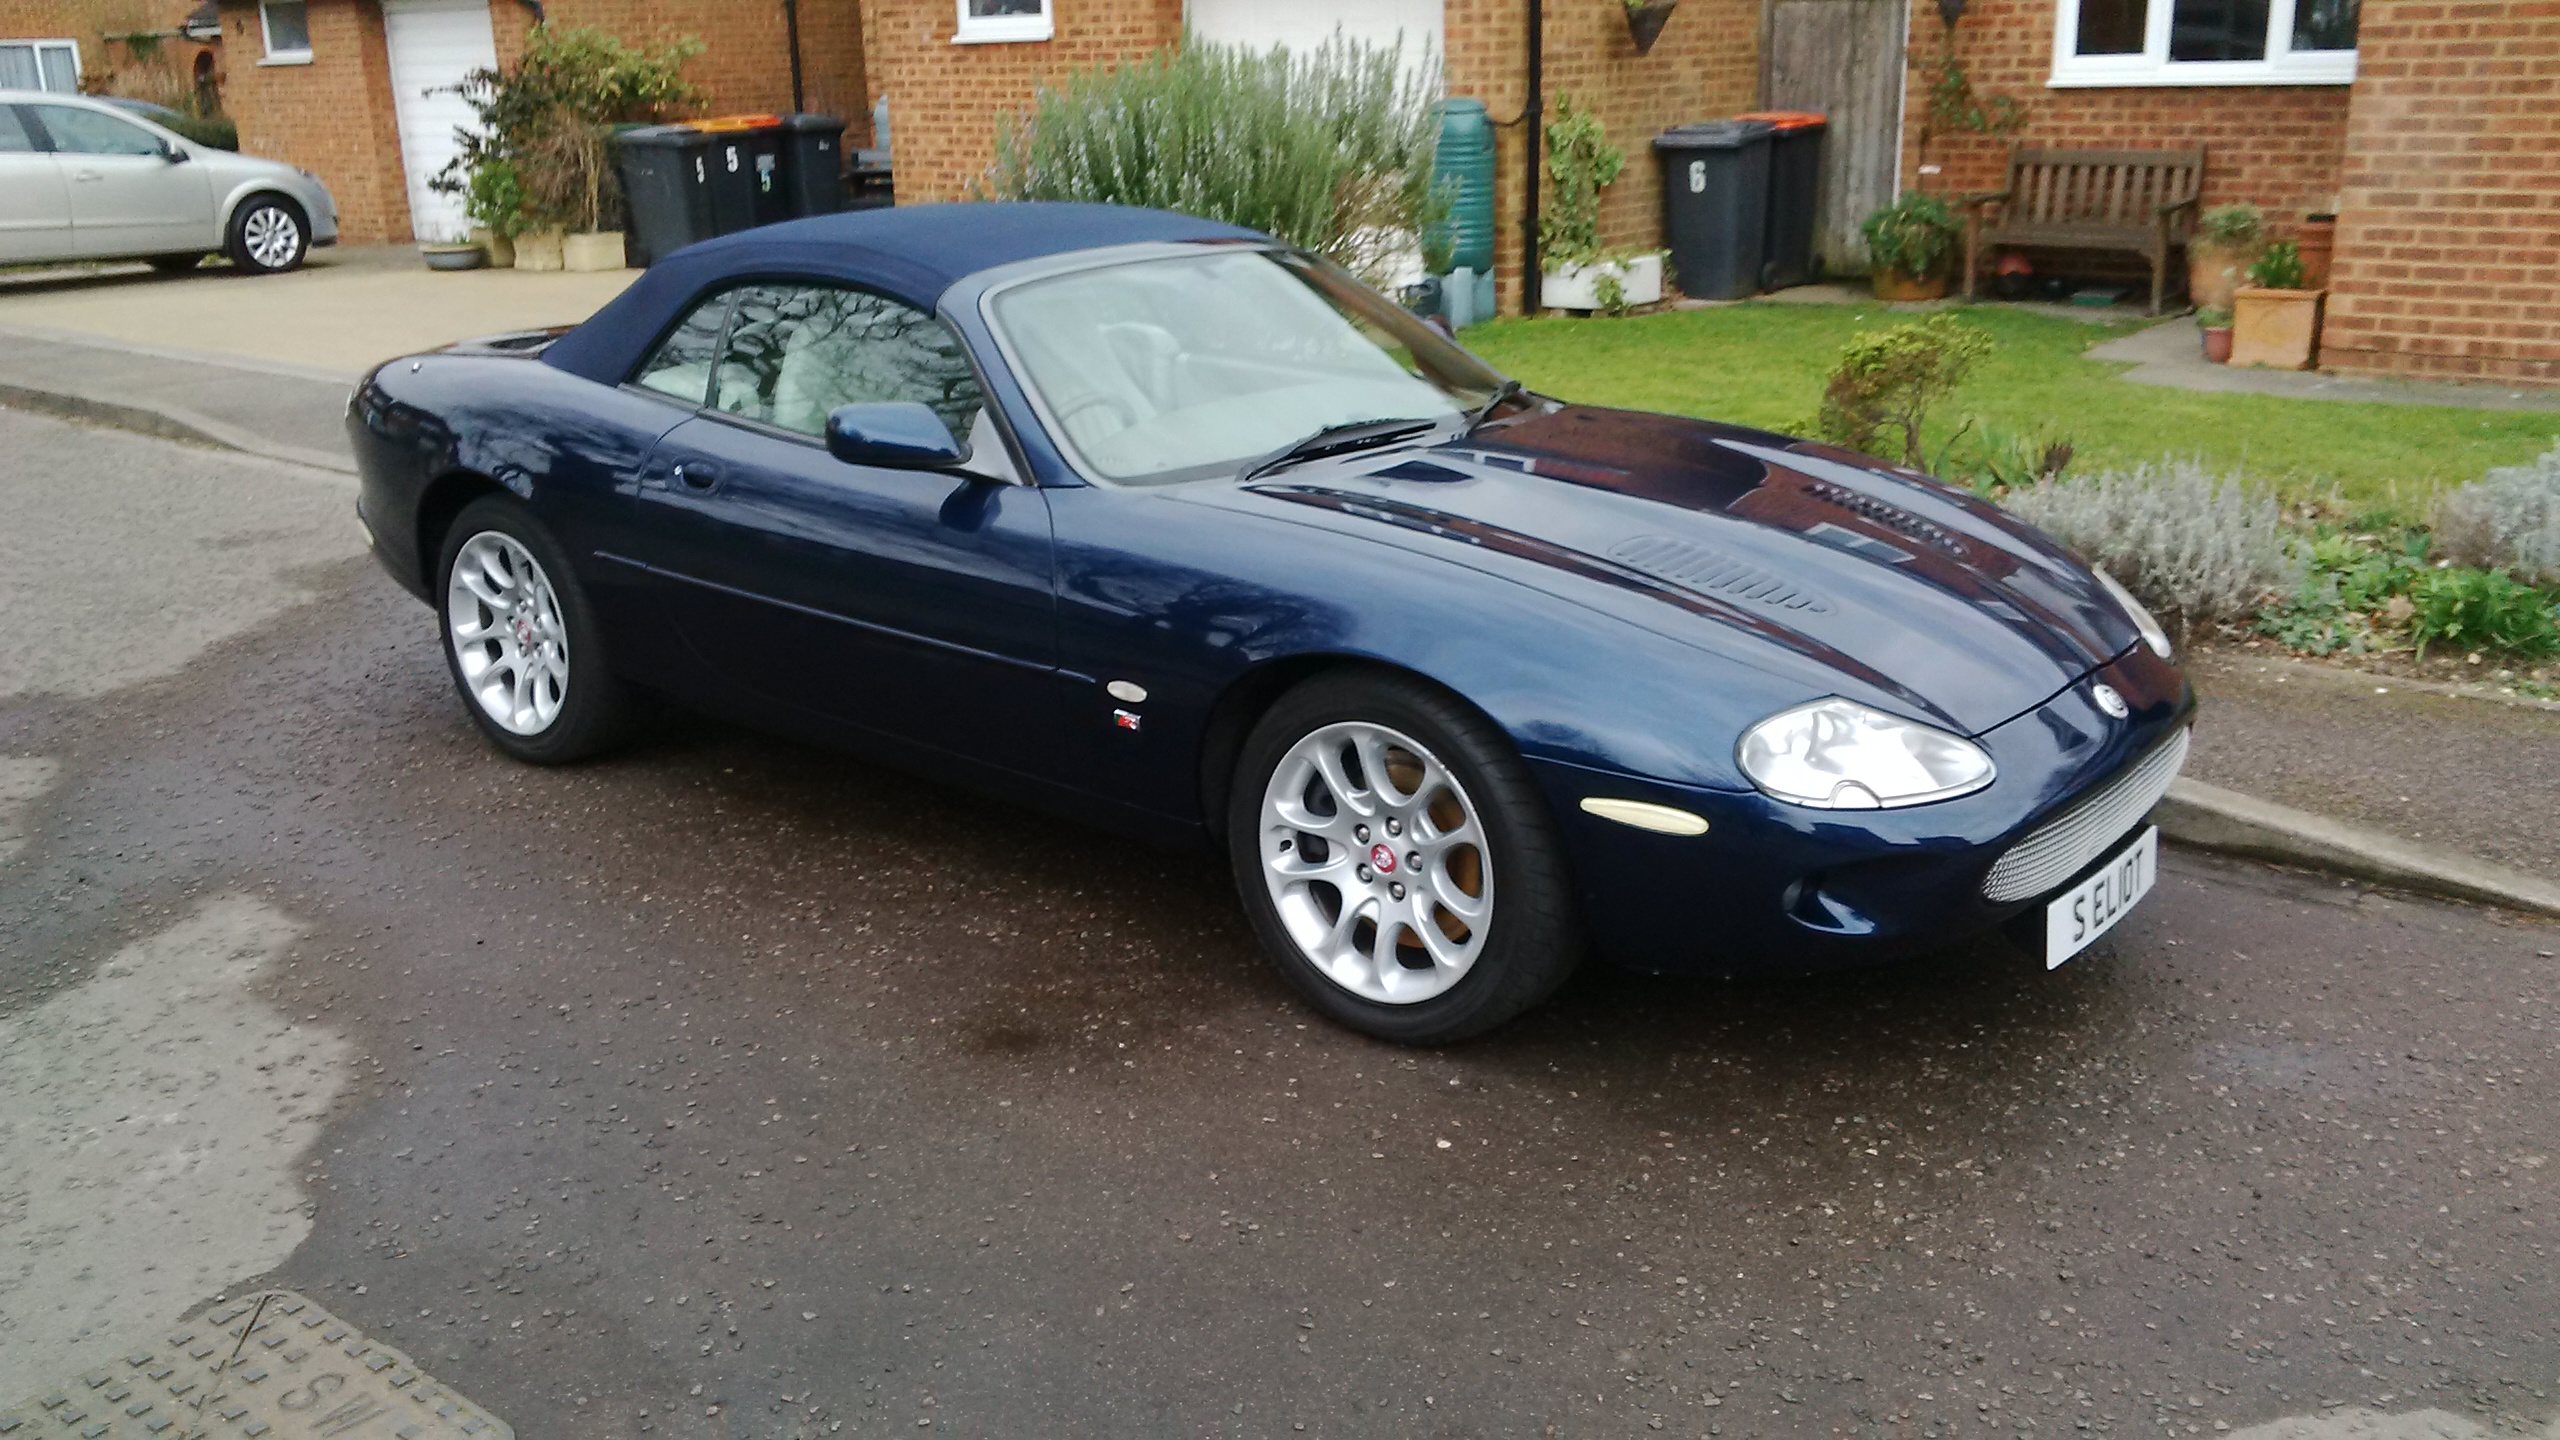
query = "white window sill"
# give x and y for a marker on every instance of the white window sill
(290, 57)
(2142, 74)
(1024, 33)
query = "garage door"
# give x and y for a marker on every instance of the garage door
(1306, 24)
(433, 44)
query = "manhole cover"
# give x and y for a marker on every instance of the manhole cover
(268, 1365)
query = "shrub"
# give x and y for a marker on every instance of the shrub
(1915, 234)
(2278, 267)
(2213, 317)
(215, 130)
(1887, 380)
(550, 118)
(2191, 543)
(1995, 460)
(495, 199)
(2509, 519)
(1329, 149)
(1580, 164)
(2482, 610)
(2233, 227)
(2350, 581)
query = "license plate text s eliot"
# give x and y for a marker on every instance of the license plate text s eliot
(2078, 916)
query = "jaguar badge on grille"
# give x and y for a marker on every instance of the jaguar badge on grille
(2109, 701)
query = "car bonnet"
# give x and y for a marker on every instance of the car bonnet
(1729, 537)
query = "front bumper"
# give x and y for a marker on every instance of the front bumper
(1777, 887)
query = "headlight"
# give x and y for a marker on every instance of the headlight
(2152, 634)
(1835, 755)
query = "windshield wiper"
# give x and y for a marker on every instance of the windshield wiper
(1336, 440)
(1507, 390)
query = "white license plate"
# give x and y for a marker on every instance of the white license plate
(2092, 907)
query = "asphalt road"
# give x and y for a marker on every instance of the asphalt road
(732, 1088)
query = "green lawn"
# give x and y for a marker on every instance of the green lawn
(1764, 364)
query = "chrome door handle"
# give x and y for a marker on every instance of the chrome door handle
(84, 176)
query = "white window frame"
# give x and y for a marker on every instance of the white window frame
(266, 37)
(38, 47)
(1003, 29)
(2284, 65)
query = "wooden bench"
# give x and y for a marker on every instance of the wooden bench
(2139, 201)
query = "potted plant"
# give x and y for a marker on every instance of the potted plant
(453, 254)
(1579, 274)
(1645, 19)
(1910, 242)
(2227, 238)
(546, 124)
(495, 202)
(2275, 320)
(2215, 321)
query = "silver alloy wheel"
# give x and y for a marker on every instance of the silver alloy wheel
(508, 638)
(1377, 863)
(272, 236)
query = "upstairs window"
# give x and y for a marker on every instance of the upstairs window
(2204, 42)
(996, 21)
(287, 26)
(40, 65)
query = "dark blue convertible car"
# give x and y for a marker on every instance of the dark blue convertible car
(1187, 534)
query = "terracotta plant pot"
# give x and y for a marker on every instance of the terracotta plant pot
(1645, 22)
(2277, 328)
(539, 250)
(2217, 344)
(2315, 239)
(592, 252)
(2215, 271)
(1892, 284)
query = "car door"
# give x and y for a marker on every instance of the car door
(914, 603)
(35, 210)
(128, 195)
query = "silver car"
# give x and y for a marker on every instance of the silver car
(82, 180)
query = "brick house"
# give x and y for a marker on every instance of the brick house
(2430, 128)
(161, 50)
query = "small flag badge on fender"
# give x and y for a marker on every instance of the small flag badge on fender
(1126, 720)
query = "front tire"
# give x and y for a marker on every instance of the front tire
(269, 235)
(1398, 862)
(522, 641)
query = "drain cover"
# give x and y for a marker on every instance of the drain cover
(300, 1371)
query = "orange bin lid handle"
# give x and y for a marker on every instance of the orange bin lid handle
(736, 122)
(1788, 119)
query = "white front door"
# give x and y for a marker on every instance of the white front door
(433, 44)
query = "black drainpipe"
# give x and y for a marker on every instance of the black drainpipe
(1533, 112)
(791, 22)
(536, 7)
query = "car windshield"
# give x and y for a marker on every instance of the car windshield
(1163, 370)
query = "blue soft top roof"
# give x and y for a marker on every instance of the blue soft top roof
(911, 253)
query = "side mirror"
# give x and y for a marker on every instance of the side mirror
(175, 154)
(895, 435)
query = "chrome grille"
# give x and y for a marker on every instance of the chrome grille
(2057, 849)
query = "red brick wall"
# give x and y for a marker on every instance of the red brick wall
(2276, 146)
(945, 100)
(332, 117)
(2448, 259)
(163, 70)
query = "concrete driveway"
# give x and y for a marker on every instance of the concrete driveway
(345, 312)
(732, 1088)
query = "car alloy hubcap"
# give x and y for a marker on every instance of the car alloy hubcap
(1377, 863)
(272, 236)
(508, 639)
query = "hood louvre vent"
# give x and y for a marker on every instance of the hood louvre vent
(1693, 566)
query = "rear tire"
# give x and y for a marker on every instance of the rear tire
(269, 235)
(1422, 904)
(521, 640)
